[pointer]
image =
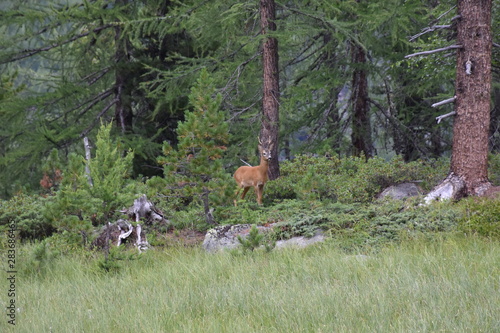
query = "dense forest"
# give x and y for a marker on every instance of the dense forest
(104, 100)
(130, 131)
(345, 86)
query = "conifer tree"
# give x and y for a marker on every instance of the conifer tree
(193, 169)
(78, 205)
(83, 61)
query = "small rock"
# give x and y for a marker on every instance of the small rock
(300, 241)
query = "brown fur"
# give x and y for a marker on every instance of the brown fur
(253, 176)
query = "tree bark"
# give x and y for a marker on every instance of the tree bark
(473, 92)
(271, 89)
(469, 162)
(361, 128)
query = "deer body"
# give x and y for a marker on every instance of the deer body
(253, 176)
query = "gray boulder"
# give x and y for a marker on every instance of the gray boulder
(300, 241)
(226, 237)
(401, 191)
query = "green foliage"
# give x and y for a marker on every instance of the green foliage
(494, 168)
(40, 258)
(247, 212)
(482, 217)
(351, 225)
(113, 261)
(79, 204)
(193, 169)
(252, 241)
(350, 179)
(26, 212)
(392, 222)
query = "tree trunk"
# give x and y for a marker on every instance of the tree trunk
(123, 108)
(271, 93)
(361, 128)
(473, 92)
(469, 161)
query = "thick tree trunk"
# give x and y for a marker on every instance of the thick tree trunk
(271, 93)
(469, 162)
(473, 92)
(361, 128)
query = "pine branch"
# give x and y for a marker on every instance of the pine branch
(296, 59)
(28, 53)
(400, 127)
(94, 77)
(94, 123)
(100, 97)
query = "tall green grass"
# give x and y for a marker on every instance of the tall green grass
(446, 285)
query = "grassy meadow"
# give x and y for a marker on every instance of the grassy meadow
(447, 284)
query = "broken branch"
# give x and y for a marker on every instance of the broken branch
(439, 118)
(446, 101)
(429, 29)
(434, 51)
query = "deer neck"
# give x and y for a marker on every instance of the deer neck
(264, 164)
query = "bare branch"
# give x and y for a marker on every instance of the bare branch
(444, 14)
(102, 96)
(88, 129)
(439, 118)
(446, 101)
(401, 128)
(429, 29)
(434, 51)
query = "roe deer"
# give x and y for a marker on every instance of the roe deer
(254, 176)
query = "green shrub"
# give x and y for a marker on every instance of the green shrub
(494, 168)
(350, 179)
(481, 216)
(26, 212)
(390, 225)
(79, 205)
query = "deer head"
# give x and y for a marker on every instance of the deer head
(254, 176)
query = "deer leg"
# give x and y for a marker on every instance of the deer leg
(237, 194)
(235, 201)
(244, 192)
(258, 190)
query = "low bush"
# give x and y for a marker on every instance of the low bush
(352, 224)
(26, 212)
(350, 179)
(481, 216)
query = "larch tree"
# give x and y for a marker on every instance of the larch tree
(82, 62)
(271, 91)
(468, 174)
